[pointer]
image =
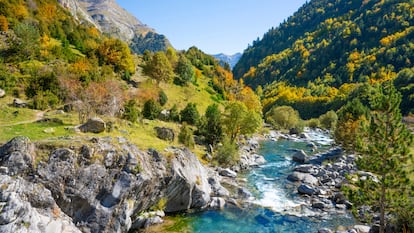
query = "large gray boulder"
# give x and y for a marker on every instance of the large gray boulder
(165, 133)
(188, 187)
(306, 189)
(93, 125)
(17, 155)
(29, 207)
(2, 93)
(18, 103)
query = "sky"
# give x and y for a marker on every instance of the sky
(214, 26)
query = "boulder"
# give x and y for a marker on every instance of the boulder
(2, 93)
(18, 103)
(29, 207)
(188, 185)
(362, 228)
(324, 230)
(93, 125)
(306, 189)
(164, 133)
(217, 203)
(217, 188)
(304, 177)
(300, 156)
(17, 155)
(227, 173)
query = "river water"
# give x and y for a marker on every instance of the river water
(276, 207)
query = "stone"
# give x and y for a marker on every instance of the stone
(164, 133)
(304, 177)
(164, 115)
(227, 173)
(18, 103)
(305, 168)
(217, 188)
(93, 125)
(300, 156)
(2, 93)
(318, 205)
(362, 228)
(324, 230)
(29, 207)
(244, 193)
(17, 155)
(188, 186)
(207, 157)
(217, 203)
(306, 189)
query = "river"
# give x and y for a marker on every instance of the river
(275, 205)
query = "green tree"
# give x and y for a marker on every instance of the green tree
(115, 53)
(284, 118)
(131, 112)
(162, 98)
(328, 120)
(186, 136)
(384, 149)
(190, 114)
(211, 125)
(28, 44)
(185, 71)
(151, 109)
(174, 114)
(159, 68)
(237, 120)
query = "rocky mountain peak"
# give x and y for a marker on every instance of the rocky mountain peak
(112, 19)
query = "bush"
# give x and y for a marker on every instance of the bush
(227, 154)
(131, 112)
(162, 98)
(151, 109)
(44, 100)
(186, 136)
(190, 114)
(313, 123)
(284, 118)
(328, 120)
(174, 114)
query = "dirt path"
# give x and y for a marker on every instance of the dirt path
(39, 115)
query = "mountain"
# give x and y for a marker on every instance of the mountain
(333, 42)
(113, 20)
(229, 59)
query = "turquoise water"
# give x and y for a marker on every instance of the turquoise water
(274, 207)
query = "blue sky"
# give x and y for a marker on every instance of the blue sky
(214, 26)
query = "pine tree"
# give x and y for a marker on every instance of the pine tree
(384, 152)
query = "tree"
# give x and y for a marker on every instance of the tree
(384, 152)
(151, 109)
(186, 136)
(115, 53)
(284, 117)
(162, 98)
(185, 71)
(190, 114)
(211, 126)
(159, 68)
(28, 44)
(227, 153)
(4, 23)
(328, 120)
(237, 120)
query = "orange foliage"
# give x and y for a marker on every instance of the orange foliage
(20, 12)
(250, 99)
(48, 12)
(4, 23)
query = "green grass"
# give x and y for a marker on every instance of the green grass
(12, 115)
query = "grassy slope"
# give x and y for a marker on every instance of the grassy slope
(141, 133)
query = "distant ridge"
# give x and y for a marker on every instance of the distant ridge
(230, 59)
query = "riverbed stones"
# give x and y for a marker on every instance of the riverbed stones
(227, 173)
(300, 156)
(362, 228)
(217, 203)
(306, 189)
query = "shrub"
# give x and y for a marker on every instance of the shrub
(227, 153)
(44, 100)
(313, 123)
(174, 114)
(151, 109)
(284, 118)
(131, 112)
(328, 120)
(162, 98)
(186, 136)
(190, 114)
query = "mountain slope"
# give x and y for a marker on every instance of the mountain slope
(334, 42)
(112, 19)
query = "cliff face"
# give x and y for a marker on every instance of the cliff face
(112, 19)
(94, 185)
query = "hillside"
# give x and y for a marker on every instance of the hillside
(115, 21)
(326, 44)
